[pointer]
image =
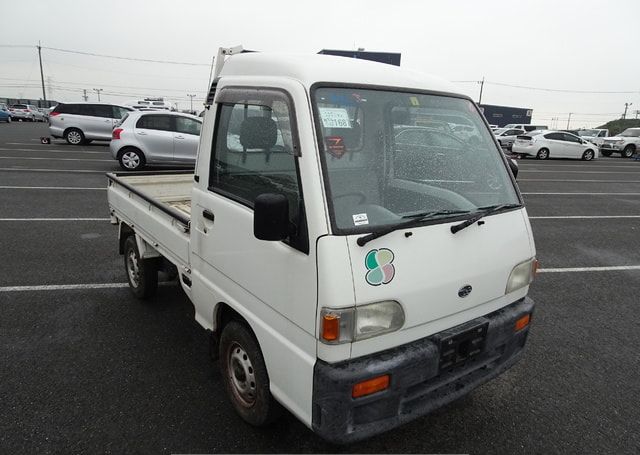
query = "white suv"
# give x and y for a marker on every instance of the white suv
(81, 123)
(626, 143)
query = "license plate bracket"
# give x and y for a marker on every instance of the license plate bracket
(461, 346)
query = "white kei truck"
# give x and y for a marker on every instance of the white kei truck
(355, 261)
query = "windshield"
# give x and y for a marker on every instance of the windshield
(588, 133)
(631, 132)
(389, 156)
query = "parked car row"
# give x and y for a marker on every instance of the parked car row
(137, 137)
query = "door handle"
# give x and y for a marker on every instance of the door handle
(108, 120)
(208, 215)
(142, 133)
(179, 137)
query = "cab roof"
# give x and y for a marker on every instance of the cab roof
(312, 68)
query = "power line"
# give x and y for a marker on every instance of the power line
(545, 89)
(94, 54)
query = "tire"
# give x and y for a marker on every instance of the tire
(588, 155)
(74, 136)
(245, 375)
(131, 159)
(543, 154)
(605, 153)
(628, 151)
(142, 274)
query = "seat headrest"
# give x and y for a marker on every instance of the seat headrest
(258, 133)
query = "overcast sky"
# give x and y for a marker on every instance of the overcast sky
(572, 45)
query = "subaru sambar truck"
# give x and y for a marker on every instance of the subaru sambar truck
(356, 261)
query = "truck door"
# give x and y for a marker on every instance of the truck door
(254, 152)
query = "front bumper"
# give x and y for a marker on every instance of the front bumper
(610, 147)
(418, 385)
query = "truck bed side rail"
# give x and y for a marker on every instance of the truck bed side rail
(178, 215)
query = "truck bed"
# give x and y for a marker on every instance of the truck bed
(157, 207)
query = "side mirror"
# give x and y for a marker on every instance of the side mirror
(513, 166)
(271, 217)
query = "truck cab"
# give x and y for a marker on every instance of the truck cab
(356, 260)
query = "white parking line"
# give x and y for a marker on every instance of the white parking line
(589, 269)
(582, 194)
(63, 287)
(52, 159)
(53, 151)
(582, 217)
(71, 287)
(89, 171)
(55, 219)
(48, 188)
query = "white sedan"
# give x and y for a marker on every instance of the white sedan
(545, 144)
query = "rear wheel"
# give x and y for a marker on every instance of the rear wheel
(543, 154)
(628, 151)
(588, 155)
(605, 153)
(142, 274)
(74, 136)
(131, 159)
(245, 375)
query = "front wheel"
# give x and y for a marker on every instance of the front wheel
(131, 160)
(245, 377)
(588, 155)
(543, 154)
(142, 274)
(628, 151)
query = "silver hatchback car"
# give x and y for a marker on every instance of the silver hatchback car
(80, 123)
(155, 137)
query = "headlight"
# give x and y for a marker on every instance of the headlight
(522, 275)
(361, 322)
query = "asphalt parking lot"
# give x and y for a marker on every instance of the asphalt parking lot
(84, 367)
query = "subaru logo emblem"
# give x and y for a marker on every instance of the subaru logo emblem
(464, 291)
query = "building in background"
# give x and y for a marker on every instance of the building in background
(503, 115)
(391, 58)
(37, 103)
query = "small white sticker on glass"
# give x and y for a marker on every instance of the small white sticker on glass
(360, 218)
(334, 117)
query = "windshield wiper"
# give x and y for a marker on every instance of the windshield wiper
(415, 220)
(488, 210)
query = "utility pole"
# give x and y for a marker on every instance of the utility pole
(569, 120)
(84, 94)
(191, 97)
(481, 87)
(637, 112)
(44, 94)
(626, 106)
(98, 90)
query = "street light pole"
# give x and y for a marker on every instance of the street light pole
(481, 87)
(569, 120)
(44, 95)
(98, 90)
(626, 106)
(191, 97)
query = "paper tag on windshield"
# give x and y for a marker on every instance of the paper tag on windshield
(360, 218)
(334, 117)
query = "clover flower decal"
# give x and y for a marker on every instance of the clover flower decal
(379, 266)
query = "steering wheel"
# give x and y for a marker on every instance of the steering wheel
(362, 196)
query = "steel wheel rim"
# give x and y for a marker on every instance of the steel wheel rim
(241, 375)
(132, 269)
(130, 160)
(74, 137)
